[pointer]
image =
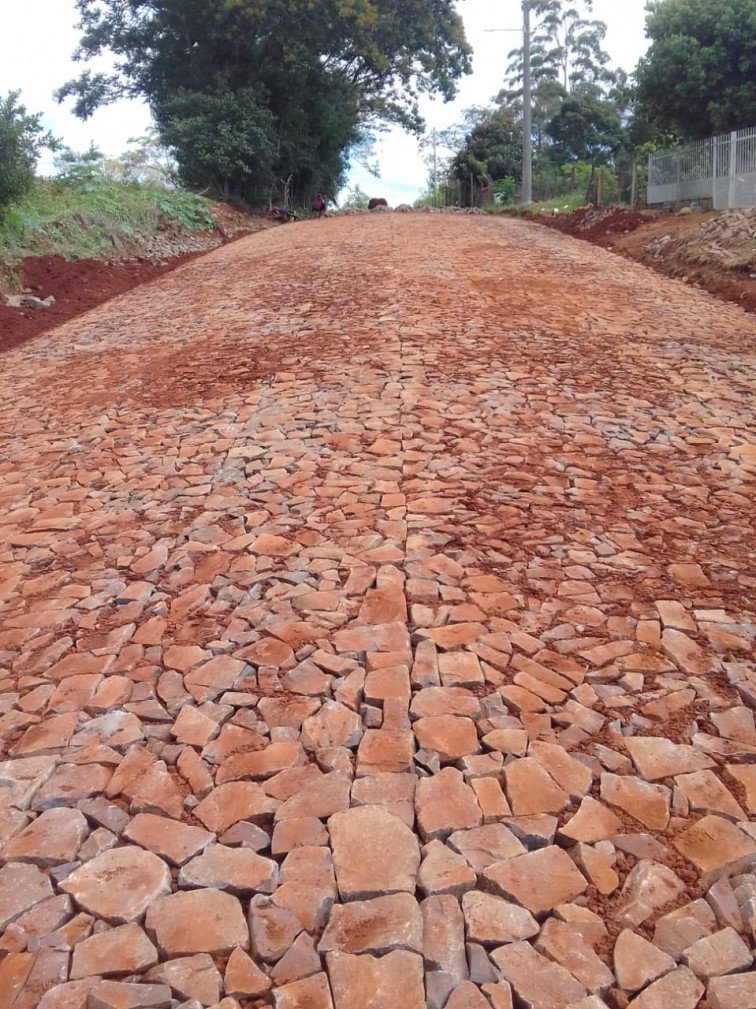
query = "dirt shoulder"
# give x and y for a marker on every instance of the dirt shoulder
(692, 248)
(80, 285)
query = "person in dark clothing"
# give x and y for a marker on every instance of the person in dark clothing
(319, 206)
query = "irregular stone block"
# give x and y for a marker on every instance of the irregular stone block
(679, 990)
(120, 884)
(537, 983)
(366, 982)
(197, 921)
(375, 926)
(374, 853)
(537, 881)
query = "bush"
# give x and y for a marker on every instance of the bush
(81, 171)
(22, 138)
(190, 211)
(356, 199)
(82, 220)
(504, 190)
(224, 142)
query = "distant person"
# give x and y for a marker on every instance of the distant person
(283, 215)
(319, 206)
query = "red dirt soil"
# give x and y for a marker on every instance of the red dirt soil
(628, 232)
(83, 284)
(600, 233)
(77, 286)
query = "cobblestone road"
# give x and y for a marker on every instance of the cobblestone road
(377, 629)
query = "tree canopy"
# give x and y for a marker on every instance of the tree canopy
(566, 51)
(250, 92)
(699, 76)
(491, 149)
(576, 96)
(586, 129)
(697, 79)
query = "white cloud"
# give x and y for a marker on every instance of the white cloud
(39, 38)
(36, 56)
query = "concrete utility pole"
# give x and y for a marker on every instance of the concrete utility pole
(527, 103)
(434, 137)
(527, 110)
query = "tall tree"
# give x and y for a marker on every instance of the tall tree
(223, 140)
(302, 81)
(567, 59)
(491, 149)
(566, 49)
(573, 44)
(699, 76)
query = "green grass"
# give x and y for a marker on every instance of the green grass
(563, 204)
(87, 219)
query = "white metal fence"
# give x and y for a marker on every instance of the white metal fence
(722, 169)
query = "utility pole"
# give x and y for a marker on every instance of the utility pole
(527, 103)
(434, 135)
(527, 110)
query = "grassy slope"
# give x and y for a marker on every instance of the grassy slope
(88, 219)
(560, 204)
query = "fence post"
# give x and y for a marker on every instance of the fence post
(733, 168)
(714, 170)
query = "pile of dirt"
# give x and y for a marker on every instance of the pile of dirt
(230, 221)
(728, 242)
(599, 225)
(714, 251)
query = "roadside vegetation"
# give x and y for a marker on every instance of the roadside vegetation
(65, 218)
(698, 78)
(93, 207)
(256, 104)
(268, 103)
(559, 205)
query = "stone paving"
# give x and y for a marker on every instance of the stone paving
(377, 629)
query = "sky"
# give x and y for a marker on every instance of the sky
(46, 29)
